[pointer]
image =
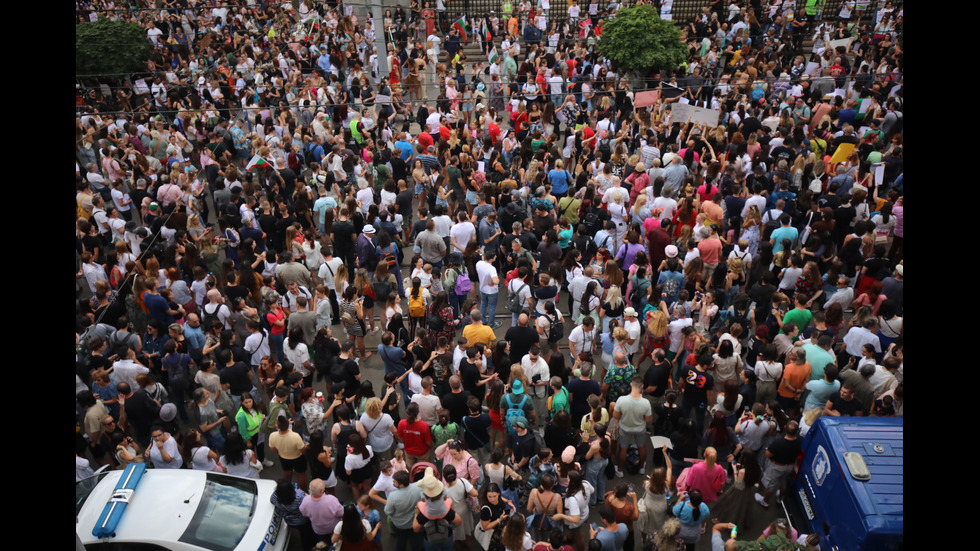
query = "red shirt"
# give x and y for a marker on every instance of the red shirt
(417, 436)
(494, 132)
(587, 133)
(517, 120)
(425, 140)
(444, 132)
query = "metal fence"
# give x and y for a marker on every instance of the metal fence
(681, 12)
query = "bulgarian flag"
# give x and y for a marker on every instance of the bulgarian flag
(257, 161)
(492, 55)
(486, 32)
(460, 25)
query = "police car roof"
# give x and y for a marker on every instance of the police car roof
(163, 505)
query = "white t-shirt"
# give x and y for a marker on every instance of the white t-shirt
(486, 272)
(327, 271)
(578, 504)
(462, 233)
(433, 122)
(524, 293)
(539, 368)
(200, 460)
(633, 328)
(675, 329)
(584, 340)
(356, 461)
(297, 356)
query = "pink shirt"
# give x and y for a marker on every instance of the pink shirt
(709, 482)
(710, 250)
(899, 212)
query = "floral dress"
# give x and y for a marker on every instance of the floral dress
(752, 235)
(448, 329)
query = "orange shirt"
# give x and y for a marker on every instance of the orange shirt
(796, 375)
(714, 212)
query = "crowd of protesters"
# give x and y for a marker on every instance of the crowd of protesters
(262, 202)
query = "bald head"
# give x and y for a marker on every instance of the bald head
(522, 320)
(620, 359)
(214, 296)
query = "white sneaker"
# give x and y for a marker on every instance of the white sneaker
(619, 473)
(761, 500)
(267, 463)
(643, 469)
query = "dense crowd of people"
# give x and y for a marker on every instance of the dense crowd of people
(262, 214)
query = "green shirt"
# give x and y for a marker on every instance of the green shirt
(559, 401)
(800, 317)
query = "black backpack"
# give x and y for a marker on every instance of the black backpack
(557, 331)
(435, 321)
(208, 318)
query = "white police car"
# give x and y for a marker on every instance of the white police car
(176, 510)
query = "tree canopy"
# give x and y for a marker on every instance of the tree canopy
(638, 40)
(110, 47)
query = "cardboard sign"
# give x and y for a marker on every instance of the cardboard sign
(842, 153)
(646, 99)
(699, 115)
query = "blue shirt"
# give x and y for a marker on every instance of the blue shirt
(321, 206)
(685, 513)
(559, 181)
(783, 232)
(195, 337)
(612, 540)
(406, 148)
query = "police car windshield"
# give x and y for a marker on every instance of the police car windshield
(84, 487)
(224, 514)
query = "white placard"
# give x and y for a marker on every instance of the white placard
(141, 87)
(845, 42)
(660, 441)
(480, 166)
(879, 174)
(811, 68)
(700, 115)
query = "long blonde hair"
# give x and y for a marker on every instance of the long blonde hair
(361, 280)
(340, 278)
(614, 296)
(658, 323)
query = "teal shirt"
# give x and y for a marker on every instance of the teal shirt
(818, 358)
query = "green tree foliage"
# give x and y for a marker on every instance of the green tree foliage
(638, 40)
(110, 47)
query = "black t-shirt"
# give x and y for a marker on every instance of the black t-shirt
(236, 291)
(455, 402)
(470, 374)
(404, 202)
(697, 385)
(657, 375)
(750, 125)
(847, 408)
(521, 339)
(141, 411)
(523, 446)
(399, 170)
(346, 371)
(342, 232)
(828, 200)
(785, 451)
(238, 375)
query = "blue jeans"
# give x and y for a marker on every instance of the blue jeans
(488, 307)
(444, 546)
(595, 474)
(277, 341)
(455, 303)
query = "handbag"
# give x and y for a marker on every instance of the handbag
(483, 536)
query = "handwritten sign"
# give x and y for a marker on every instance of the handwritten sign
(682, 112)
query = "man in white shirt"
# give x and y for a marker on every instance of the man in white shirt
(756, 199)
(126, 369)
(632, 326)
(520, 287)
(461, 233)
(432, 121)
(429, 403)
(577, 288)
(675, 329)
(844, 295)
(582, 338)
(538, 376)
(489, 288)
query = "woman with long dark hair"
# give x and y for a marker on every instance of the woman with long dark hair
(355, 532)
(237, 459)
(357, 463)
(321, 465)
(287, 499)
(692, 512)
